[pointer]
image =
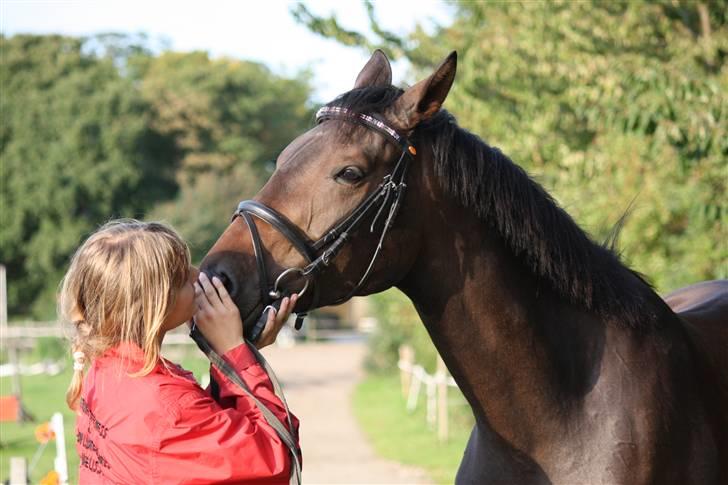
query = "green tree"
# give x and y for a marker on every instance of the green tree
(77, 148)
(229, 119)
(99, 128)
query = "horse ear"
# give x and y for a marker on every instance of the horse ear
(377, 72)
(425, 98)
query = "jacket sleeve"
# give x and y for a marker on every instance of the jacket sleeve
(205, 442)
(243, 361)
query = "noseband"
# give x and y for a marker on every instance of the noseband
(319, 254)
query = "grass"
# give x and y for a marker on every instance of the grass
(405, 437)
(44, 395)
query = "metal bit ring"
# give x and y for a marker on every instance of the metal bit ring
(275, 292)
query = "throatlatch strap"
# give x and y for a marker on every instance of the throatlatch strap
(283, 433)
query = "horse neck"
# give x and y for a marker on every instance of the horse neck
(523, 358)
(474, 302)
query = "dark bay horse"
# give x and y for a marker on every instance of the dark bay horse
(577, 372)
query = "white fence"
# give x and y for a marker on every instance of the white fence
(413, 377)
(19, 469)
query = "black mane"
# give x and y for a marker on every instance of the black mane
(539, 232)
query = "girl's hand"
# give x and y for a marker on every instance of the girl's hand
(276, 321)
(219, 320)
(217, 316)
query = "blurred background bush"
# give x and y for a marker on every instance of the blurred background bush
(99, 128)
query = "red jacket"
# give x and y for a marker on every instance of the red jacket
(164, 428)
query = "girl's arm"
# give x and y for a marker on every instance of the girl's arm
(252, 372)
(219, 321)
(204, 442)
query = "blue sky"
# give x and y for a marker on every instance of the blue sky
(247, 29)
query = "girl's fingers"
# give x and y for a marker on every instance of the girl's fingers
(294, 300)
(286, 308)
(283, 310)
(276, 320)
(272, 314)
(209, 289)
(200, 297)
(222, 291)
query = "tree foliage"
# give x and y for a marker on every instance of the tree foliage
(99, 128)
(229, 119)
(223, 112)
(76, 148)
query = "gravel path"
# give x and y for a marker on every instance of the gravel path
(318, 380)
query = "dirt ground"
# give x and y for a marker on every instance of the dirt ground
(318, 380)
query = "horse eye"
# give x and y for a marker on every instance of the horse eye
(350, 175)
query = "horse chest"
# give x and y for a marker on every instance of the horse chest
(601, 460)
(607, 445)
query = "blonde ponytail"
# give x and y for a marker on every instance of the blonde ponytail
(74, 389)
(81, 346)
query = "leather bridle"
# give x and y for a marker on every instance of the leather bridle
(319, 254)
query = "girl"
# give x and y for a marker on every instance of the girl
(141, 418)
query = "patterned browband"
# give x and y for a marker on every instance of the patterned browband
(329, 112)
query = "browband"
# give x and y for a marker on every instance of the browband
(337, 112)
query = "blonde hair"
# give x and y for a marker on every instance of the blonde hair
(120, 287)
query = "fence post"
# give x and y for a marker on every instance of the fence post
(414, 390)
(18, 471)
(406, 364)
(60, 464)
(12, 349)
(431, 388)
(441, 379)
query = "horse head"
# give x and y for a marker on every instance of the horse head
(318, 223)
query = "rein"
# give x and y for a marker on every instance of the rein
(285, 434)
(319, 254)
